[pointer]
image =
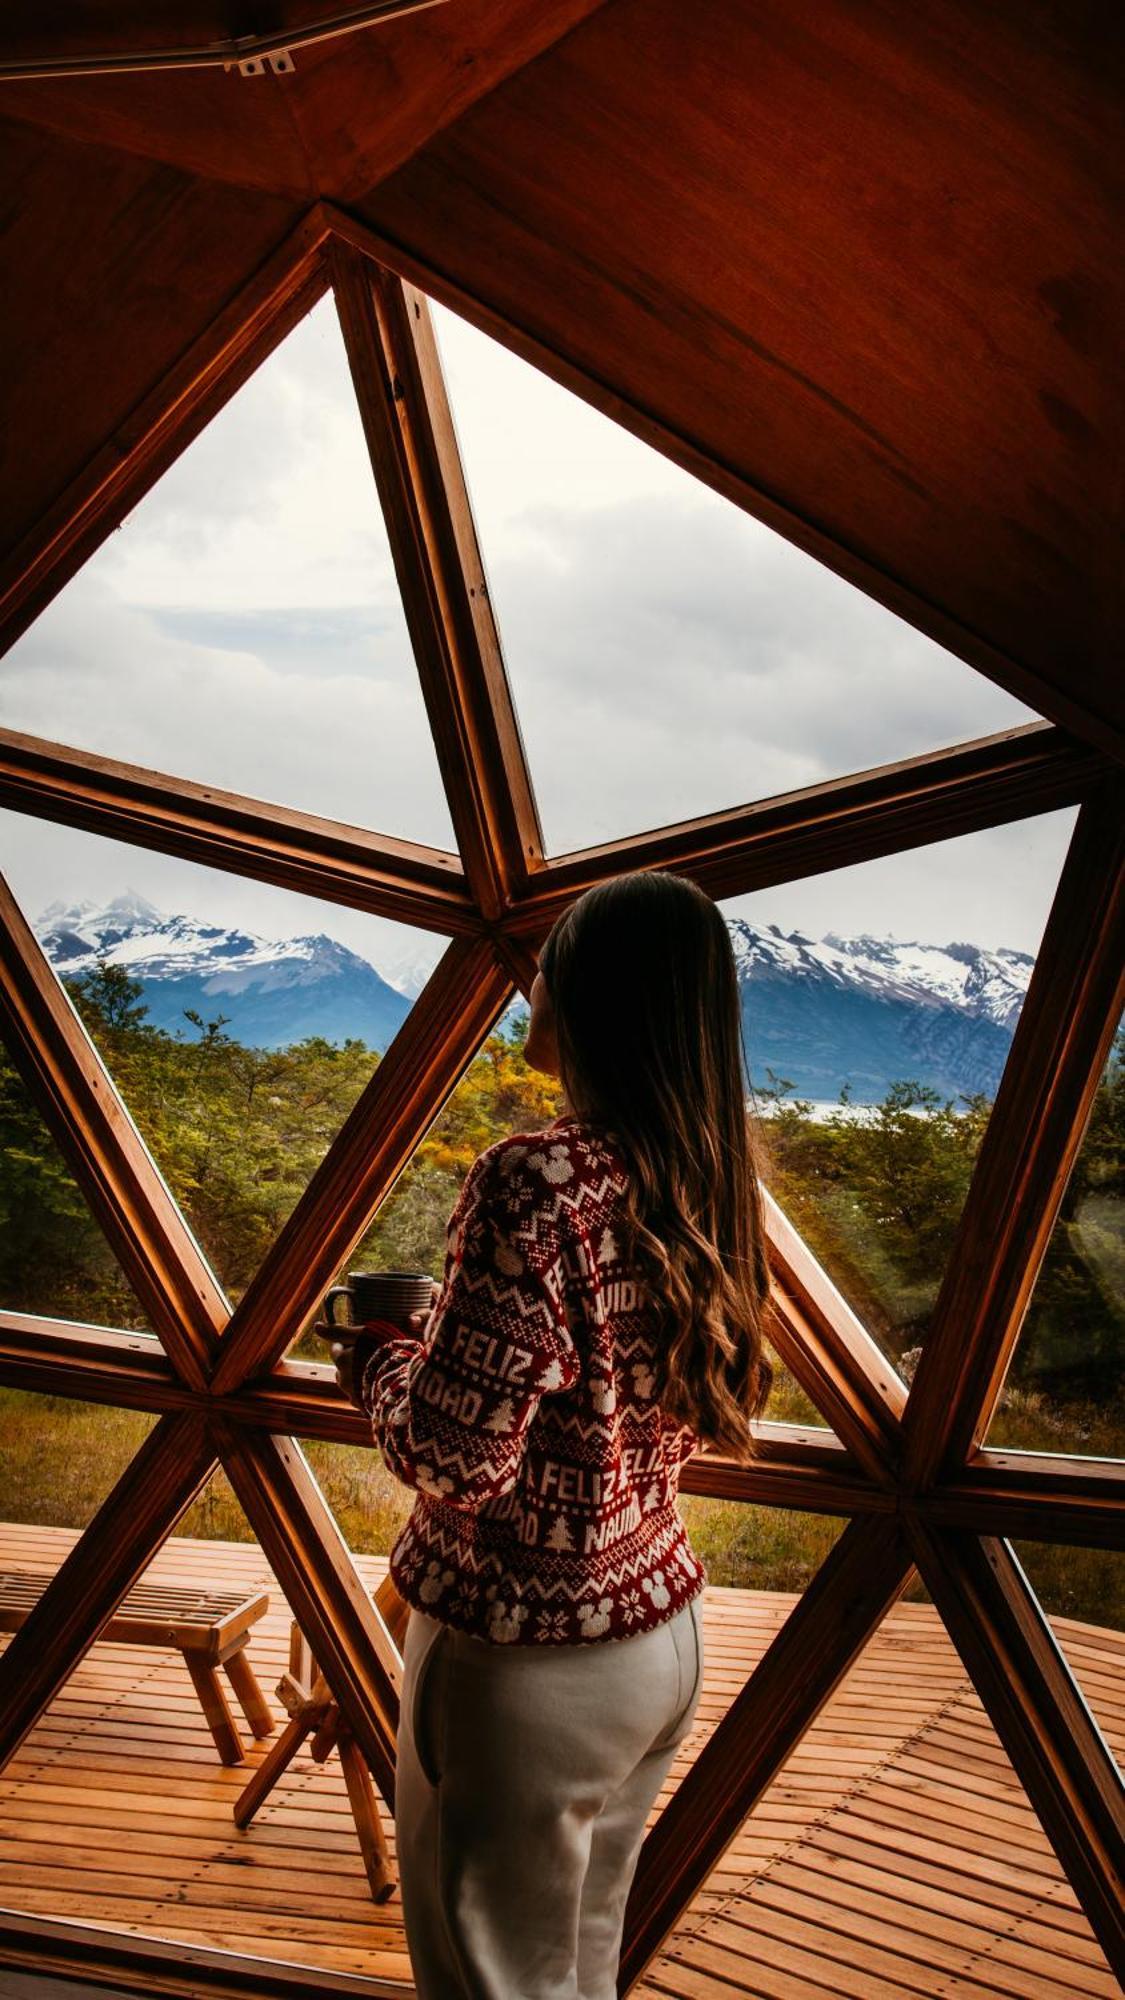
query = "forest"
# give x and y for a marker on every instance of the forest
(237, 1132)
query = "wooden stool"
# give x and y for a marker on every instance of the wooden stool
(209, 1627)
(305, 1695)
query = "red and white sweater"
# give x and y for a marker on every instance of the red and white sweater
(524, 1417)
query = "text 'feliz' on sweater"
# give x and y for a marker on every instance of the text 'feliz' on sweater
(524, 1417)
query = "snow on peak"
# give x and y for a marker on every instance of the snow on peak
(984, 983)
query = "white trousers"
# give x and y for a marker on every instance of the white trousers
(524, 1780)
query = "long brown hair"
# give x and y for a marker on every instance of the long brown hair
(641, 977)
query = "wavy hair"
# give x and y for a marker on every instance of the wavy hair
(641, 978)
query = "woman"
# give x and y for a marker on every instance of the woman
(600, 1316)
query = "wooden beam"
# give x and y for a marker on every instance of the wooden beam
(865, 1573)
(417, 466)
(1038, 1121)
(311, 1561)
(1025, 1495)
(106, 1561)
(278, 295)
(841, 1369)
(172, 1969)
(889, 809)
(293, 850)
(1032, 1496)
(1039, 1713)
(449, 1020)
(107, 1155)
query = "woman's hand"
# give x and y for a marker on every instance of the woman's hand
(354, 1346)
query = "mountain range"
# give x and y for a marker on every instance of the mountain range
(820, 1012)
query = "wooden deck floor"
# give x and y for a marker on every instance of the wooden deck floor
(895, 1856)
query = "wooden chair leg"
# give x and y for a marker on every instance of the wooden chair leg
(394, 1609)
(327, 1736)
(216, 1708)
(365, 1812)
(245, 1683)
(271, 1768)
(300, 1655)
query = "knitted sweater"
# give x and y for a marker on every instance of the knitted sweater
(546, 1473)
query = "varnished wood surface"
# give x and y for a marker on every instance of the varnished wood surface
(895, 1855)
(830, 257)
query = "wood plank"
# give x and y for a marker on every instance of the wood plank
(863, 1575)
(851, 1850)
(1039, 1714)
(99, 1570)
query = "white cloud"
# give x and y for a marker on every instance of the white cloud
(669, 655)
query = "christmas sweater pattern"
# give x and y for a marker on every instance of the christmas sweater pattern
(524, 1418)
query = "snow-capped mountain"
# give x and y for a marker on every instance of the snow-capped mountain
(860, 1010)
(870, 1011)
(273, 991)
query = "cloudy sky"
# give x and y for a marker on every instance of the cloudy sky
(668, 655)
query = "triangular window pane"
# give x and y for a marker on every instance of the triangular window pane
(1082, 1594)
(55, 1262)
(59, 1459)
(240, 1022)
(896, 1851)
(244, 627)
(1065, 1389)
(879, 1004)
(670, 655)
(125, 1759)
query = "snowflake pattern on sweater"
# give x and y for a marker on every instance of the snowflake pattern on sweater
(546, 1474)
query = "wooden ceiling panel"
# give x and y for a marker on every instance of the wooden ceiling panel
(353, 109)
(865, 260)
(117, 265)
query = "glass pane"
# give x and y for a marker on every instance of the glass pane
(59, 1458)
(895, 1853)
(1065, 1389)
(240, 1022)
(54, 1260)
(1082, 1592)
(878, 1005)
(243, 627)
(619, 579)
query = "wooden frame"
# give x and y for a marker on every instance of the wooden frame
(908, 1468)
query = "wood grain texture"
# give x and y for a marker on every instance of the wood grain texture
(860, 268)
(205, 280)
(348, 1635)
(860, 1579)
(417, 467)
(887, 810)
(896, 1851)
(307, 131)
(1039, 1713)
(401, 879)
